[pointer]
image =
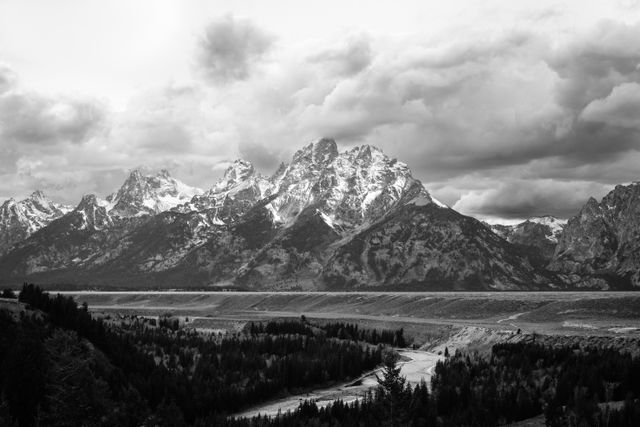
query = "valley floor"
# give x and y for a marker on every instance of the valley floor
(554, 313)
(434, 321)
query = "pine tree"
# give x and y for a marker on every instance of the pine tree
(392, 392)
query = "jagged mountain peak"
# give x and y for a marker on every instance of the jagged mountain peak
(591, 202)
(38, 195)
(620, 196)
(235, 193)
(356, 186)
(545, 217)
(135, 176)
(37, 201)
(366, 152)
(149, 194)
(549, 220)
(139, 176)
(93, 213)
(163, 173)
(87, 202)
(539, 233)
(320, 152)
(237, 171)
(599, 246)
(9, 202)
(19, 219)
(284, 231)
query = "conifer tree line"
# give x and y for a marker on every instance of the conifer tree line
(167, 373)
(568, 385)
(340, 330)
(60, 366)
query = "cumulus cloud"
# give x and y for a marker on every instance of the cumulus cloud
(465, 104)
(557, 115)
(38, 130)
(28, 117)
(70, 146)
(230, 48)
(350, 56)
(620, 108)
(7, 79)
(31, 118)
(595, 62)
(460, 112)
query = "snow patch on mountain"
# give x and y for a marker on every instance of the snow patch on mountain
(553, 228)
(351, 188)
(93, 213)
(20, 219)
(149, 194)
(236, 192)
(555, 224)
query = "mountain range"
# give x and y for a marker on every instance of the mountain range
(327, 220)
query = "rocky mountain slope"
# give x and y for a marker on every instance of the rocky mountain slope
(350, 189)
(539, 234)
(347, 220)
(600, 247)
(427, 247)
(20, 219)
(148, 195)
(239, 189)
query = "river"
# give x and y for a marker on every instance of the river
(415, 366)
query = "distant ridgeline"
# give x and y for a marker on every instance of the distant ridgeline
(327, 220)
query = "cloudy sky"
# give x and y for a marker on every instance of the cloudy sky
(503, 109)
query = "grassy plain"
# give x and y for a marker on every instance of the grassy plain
(424, 315)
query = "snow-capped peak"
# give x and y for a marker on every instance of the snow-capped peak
(149, 194)
(38, 195)
(20, 219)
(555, 224)
(320, 152)
(240, 170)
(554, 227)
(88, 201)
(93, 213)
(33, 212)
(236, 192)
(353, 187)
(549, 220)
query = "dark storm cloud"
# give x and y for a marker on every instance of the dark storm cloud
(526, 198)
(592, 65)
(484, 103)
(42, 138)
(519, 104)
(442, 91)
(621, 108)
(230, 47)
(33, 119)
